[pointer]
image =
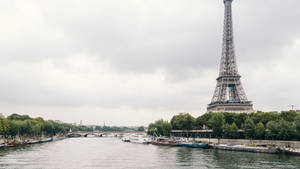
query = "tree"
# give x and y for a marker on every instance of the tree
(18, 117)
(141, 128)
(256, 117)
(4, 127)
(160, 128)
(285, 130)
(203, 120)
(249, 128)
(231, 131)
(14, 128)
(217, 123)
(259, 131)
(183, 121)
(47, 128)
(269, 116)
(234, 130)
(288, 116)
(36, 129)
(272, 130)
(229, 117)
(152, 129)
(239, 119)
(297, 127)
(163, 127)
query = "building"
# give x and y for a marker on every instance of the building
(229, 95)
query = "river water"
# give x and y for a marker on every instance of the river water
(112, 153)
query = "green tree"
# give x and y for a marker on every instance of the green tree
(183, 121)
(4, 127)
(256, 117)
(269, 116)
(203, 120)
(229, 117)
(14, 128)
(163, 127)
(285, 130)
(18, 117)
(217, 124)
(239, 119)
(231, 131)
(141, 128)
(48, 128)
(260, 131)
(152, 129)
(36, 129)
(272, 130)
(249, 128)
(160, 128)
(297, 127)
(288, 116)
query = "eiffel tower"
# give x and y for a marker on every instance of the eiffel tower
(229, 95)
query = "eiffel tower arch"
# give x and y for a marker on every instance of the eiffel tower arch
(229, 95)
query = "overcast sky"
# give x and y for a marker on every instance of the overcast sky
(130, 62)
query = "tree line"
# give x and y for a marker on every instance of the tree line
(23, 126)
(259, 125)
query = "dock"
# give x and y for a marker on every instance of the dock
(270, 150)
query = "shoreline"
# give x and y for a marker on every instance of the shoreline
(243, 148)
(18, 142)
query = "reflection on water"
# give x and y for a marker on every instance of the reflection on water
(111, 153)
(184, 155)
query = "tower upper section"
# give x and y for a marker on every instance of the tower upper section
(228, 0)
(228, 65)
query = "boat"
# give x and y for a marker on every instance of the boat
(173, 143)
(73, 135)
(139, 139)
(15, 144)
(34, 142)
(195, 145)
(161, 141)
(142, 140)
(90, 135)
(125, 139)
(46, 140)
(146, 140)
(291, 151)
(3, 145)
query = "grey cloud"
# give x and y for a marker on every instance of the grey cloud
(132, 38)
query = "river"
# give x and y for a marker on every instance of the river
(112, 153)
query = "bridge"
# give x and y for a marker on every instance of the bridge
(99, 134)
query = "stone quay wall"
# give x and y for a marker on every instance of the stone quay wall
(292, 144)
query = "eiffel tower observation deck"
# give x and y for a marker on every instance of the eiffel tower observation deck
(229, 95)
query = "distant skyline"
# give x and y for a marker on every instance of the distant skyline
(131, 62)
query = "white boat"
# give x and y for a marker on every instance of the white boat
(2, 145)
(126, 139)
(140, 139)
(90, 135)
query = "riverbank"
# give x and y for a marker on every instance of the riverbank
(263, 143)
(24, 141)
(255, 146)
(261, 146)
(270, 150)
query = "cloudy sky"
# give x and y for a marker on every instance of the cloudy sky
(130, 62)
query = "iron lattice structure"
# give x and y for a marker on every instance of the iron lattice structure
(229, 95)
